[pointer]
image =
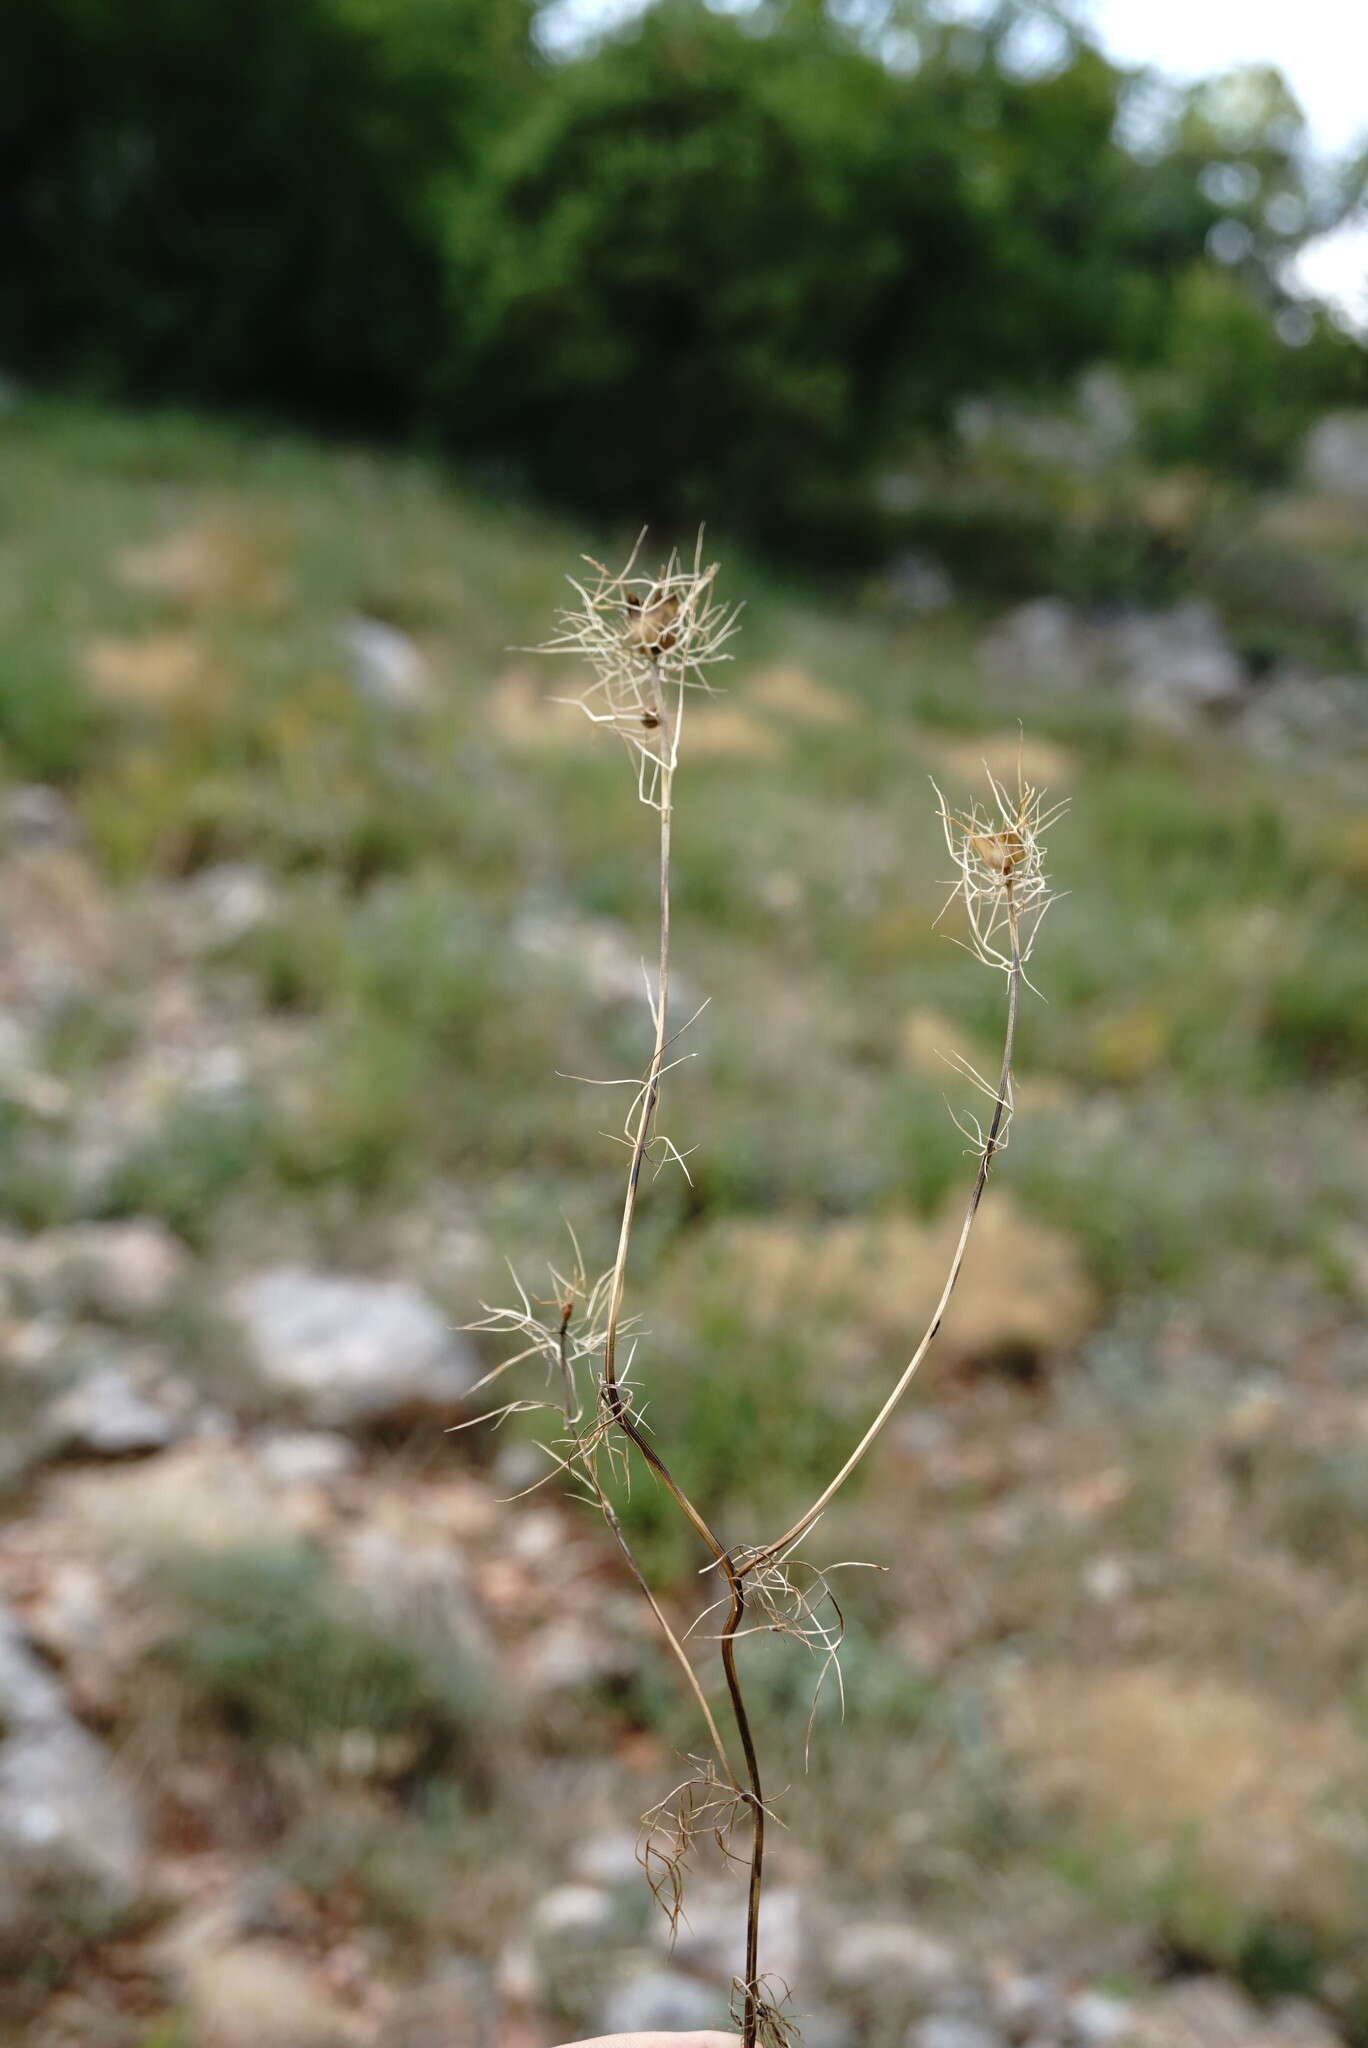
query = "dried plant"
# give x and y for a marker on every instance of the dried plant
(648, 640)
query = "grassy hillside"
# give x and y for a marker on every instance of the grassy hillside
(299, 941)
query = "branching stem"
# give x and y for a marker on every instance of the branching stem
(647, 639)
(622, 1416)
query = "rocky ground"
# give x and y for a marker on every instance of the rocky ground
(311, 1731)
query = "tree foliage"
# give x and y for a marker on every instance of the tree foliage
(714, 262)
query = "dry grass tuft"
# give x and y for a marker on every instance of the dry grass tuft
(1024, 1285)
(1245, 1808)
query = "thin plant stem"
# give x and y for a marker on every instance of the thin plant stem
(621, 1413)
(610, 1516)
(651, 1092)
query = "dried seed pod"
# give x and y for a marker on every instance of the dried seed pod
(650, 624)
(999, 851)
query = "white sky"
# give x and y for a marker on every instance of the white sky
(1320, 46)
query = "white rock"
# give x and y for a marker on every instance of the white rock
(455, 2004)
(1095, 2017)
(607, 1859)
(222, 905)
(35, 814)
(711, 1937)
(1042, 641)
(662, 2000)
(387, 667)
(105, 1414)
(1335, 457)
(349, 1352)
(1300, 710)
(950, 2030)
(1177, 667)
(1208, 2012)
(892, 1954)
(1027, 2004)
(917, 585)
(575, 1913)
(602, 952)
(66, 1816)
(304, 1457)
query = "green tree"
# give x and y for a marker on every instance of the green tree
(238, 200)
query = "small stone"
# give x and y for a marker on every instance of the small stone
(1336, 455)
(607, 1859)
(106, 1415)
(1027, 2004)
(120, 1272)
(711, 1937)
(662, 2001)
(1107, 1579)
(518, 1464)
(917, 586)
(454, 2005)
(1207, 2012)
(222, 905)
(1044, 641)
(1299, 710)
(892, 1955)
(601, 952)
(1096, 2017)
(67, 1818)
(305, 1457)
(387, 667)
(1177, 667)
(950, 2030)
(1296, 2023)
(572, 1655)
(37, 815)
(825, 2029)
(579, 1910)
(347, 1352)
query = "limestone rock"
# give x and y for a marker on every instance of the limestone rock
(107, 1415)
(1177, 667)
(891, 1957)
(387, 667)
(953, 2030)
(1043, 641)
(666, 2001)
(1336, 455)
(68, 1821)
(1206, 2012)
(346, 1353)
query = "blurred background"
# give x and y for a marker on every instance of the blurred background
(1015, 359)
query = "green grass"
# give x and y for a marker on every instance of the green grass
(269, 1647)
(1207, 963)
